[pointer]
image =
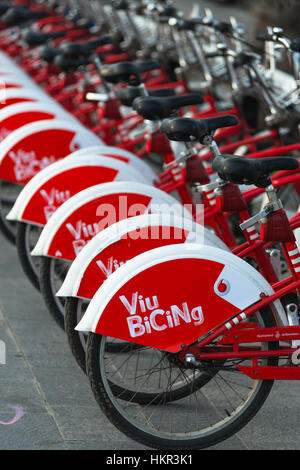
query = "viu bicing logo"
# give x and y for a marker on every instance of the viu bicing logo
(2, 353)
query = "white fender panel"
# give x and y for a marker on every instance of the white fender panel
(160, 201)
(123, 288)
(40, 106)
(16, 76)
(125, 172)
(125, 155)
(114, 233)
(6, 59)
(83, 136)
(109, 149)
(7, 66)
(27, 92)
(34, 146)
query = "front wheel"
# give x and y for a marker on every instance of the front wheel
(8, 195)
(74, 311)
(27, 236)
(201, 418)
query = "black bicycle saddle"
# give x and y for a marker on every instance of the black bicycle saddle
(37, 39)
(48, 53)
(188, 129)
(154, 108)
(125, 71)
(257, 171)
(18, 15)
(76, 50)
(129, 94)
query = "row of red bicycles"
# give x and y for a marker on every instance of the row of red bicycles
(149, 180)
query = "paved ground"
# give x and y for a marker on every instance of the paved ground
(46, 402)
(48, 397)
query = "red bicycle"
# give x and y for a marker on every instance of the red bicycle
(213, 336)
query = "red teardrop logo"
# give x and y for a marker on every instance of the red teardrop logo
(223, 287)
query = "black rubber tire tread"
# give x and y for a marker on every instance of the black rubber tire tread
(8, 233)
(7, 227)
(48, 295)
(24, 256)
(155, 442)
(73, 336)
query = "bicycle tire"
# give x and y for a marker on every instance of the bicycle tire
(54, 304)
(8, 228)
(24, 248)
(153, 438)
(75, 341)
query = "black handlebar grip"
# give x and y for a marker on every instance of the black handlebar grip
(264, 37)
(295, 45)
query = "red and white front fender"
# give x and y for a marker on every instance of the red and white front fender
(119, 154)
(124, 240)
(34, 146)
(17, 115)
(173, 295)
(87, 213)
(13, 74)
(11, 96)
(53, 185)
